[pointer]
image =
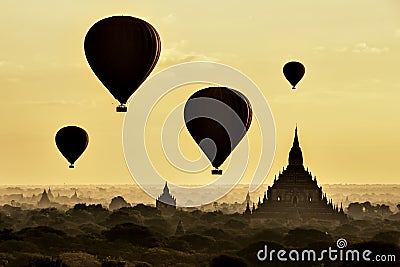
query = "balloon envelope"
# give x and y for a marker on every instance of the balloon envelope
(294, 72)
(72, 141)
(122, 51)
(217, 118)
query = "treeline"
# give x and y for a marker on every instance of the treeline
(90, 235)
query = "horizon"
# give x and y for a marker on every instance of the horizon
(239, 184)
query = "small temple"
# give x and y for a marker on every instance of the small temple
(44, 201)
(166, 202)
(179, 229)
(75, 197)
(295, 194)
(50, 194)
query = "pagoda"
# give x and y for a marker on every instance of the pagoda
(295, 194)
(166, 202)
(44, 201)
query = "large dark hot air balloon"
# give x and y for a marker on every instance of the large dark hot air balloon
(122, 51)
(293, 72)
(217, 118)
(72, 142)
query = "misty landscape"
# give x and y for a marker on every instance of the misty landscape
(156, 133)
(102, 225)
(28, 196)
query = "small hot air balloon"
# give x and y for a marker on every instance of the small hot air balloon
(122, 51)
(217, 118)
(293, 72)
(72, 141)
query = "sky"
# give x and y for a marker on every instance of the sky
(346, 106)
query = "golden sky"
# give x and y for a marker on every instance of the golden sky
(346, 107)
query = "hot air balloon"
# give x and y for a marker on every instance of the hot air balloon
(72, 141)
(122, 51)
(217, 118)
(293, 72)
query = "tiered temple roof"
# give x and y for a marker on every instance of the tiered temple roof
(295, 194)
(166, 199)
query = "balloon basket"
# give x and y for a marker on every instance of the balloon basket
(71, 166)
(122, 109)
(216, 172)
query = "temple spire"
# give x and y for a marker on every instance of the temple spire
(248, 210)
(166, 189)
(166, 198)
(296, 139)
(295, 154)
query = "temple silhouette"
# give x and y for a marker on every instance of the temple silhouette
(44, 201)
(295, 195)
(166, 203)
(179, 229)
